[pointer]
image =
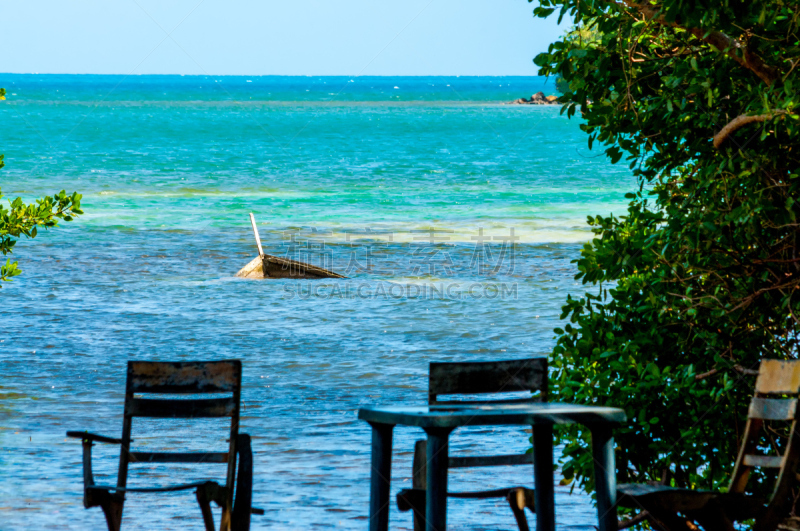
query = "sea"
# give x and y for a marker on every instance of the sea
(455, 218)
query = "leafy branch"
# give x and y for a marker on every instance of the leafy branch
(20, 219)
(697, 281)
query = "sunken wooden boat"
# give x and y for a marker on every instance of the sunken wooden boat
(268, 266)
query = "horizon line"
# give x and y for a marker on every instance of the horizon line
(264, 75)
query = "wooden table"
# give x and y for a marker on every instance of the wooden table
(439, 421)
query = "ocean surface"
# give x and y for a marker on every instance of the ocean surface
(454, 216)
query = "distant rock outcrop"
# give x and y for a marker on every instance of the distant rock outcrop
(537, 99)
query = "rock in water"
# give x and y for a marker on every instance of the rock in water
(536, 99)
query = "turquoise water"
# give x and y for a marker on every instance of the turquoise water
(397, 182)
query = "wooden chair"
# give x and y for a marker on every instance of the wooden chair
(474, 378)
(219, 377)
(669, 508)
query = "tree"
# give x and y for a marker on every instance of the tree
(21, 219)
(698, 280)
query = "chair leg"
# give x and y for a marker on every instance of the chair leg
(419, 481)
(518, 499)
(243, 501)
(205, 507)
(413, 500)
(518, 509)
(112, 509)
(225, 519)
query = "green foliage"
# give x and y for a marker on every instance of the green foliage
(581, 37)
(698, 281)
(20, 219)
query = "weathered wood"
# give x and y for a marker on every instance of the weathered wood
(206, 493)
(492, 415)
(205, 509)
(780, 504)
(606, 491)
(544, 492)
(470, 378)
(381, 476)
(419, 476)
(240, 516)
(419, 481)
(741, 472)
(176, 457)
(167, 488)
(180, 409)
(663, 502)
(772, 409)
(487, 377)
(635, 495)
(518, 499)
(763, 461)
(413, 500)
(233, 440)
(778, 377)
(125, 446)
(188, 377)
(88, 475)
(176, 378)
(490, 460)
(714, 510)
(490, 402)
(269, 266)
(492, 493)
(522, 497)
(436, 493)
(112, 510)
(92, 437)
(501, 415)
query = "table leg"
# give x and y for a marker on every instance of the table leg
(380, 477)
(544, 493)
(605, 477)
(436, 492)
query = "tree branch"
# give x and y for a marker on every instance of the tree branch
(630, 522)
(746, 372)
(704, 375)
(738, 368)
(738, 123)
(717, 39)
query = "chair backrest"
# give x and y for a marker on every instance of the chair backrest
(181, 378)
(484, 377)
(775, 378)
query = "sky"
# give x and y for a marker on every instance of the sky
(268, 37)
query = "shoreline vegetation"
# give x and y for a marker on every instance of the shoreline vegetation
(699, 277)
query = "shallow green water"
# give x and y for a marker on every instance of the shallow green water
(390, 185)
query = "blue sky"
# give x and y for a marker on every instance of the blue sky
(267, 37)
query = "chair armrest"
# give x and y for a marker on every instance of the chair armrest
(91, 497)
(86, 436)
